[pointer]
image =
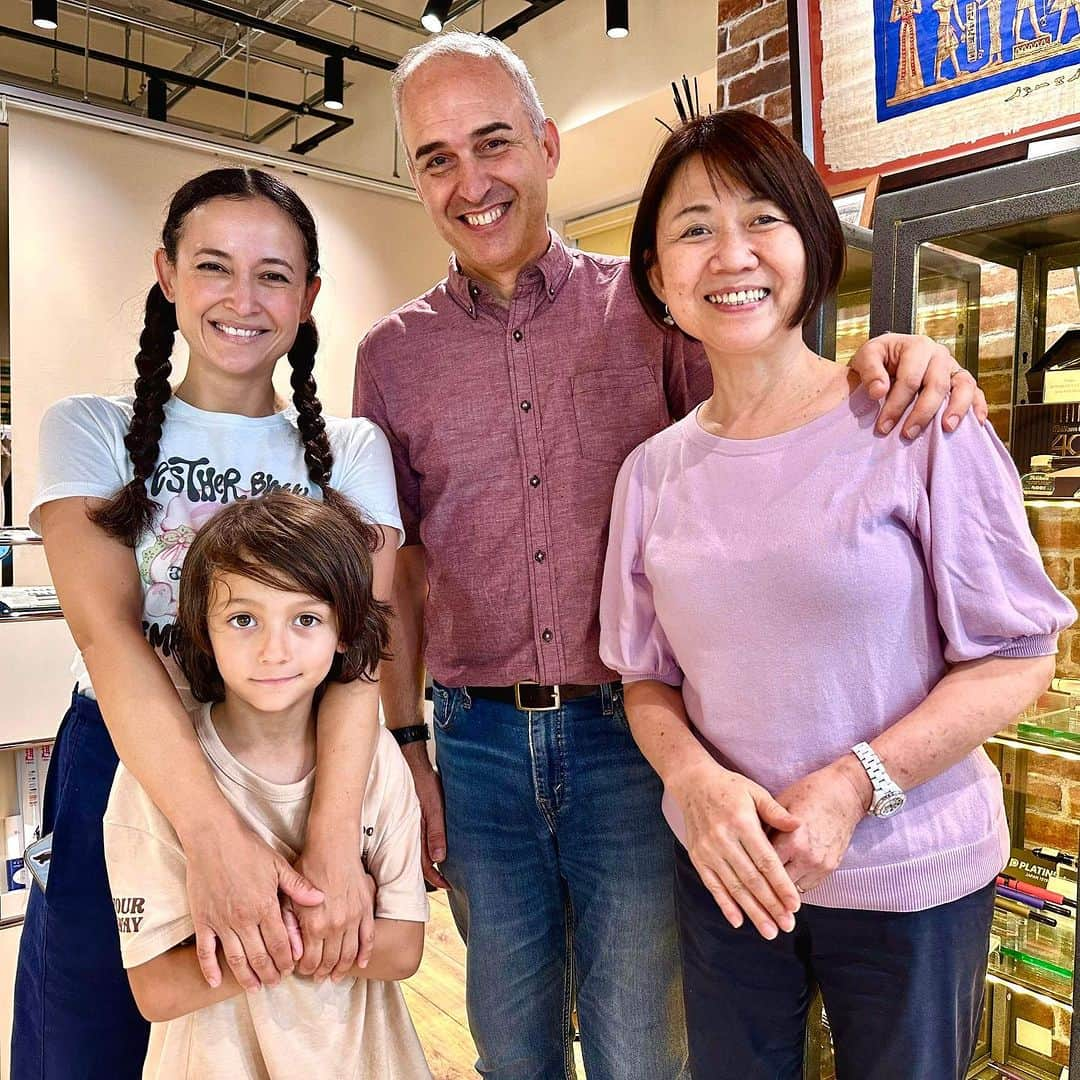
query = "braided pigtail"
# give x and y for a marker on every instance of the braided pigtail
(130, 512)
(309, 420)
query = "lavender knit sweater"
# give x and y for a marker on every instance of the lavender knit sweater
(807, 590)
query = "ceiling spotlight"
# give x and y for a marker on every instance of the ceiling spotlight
(618, 18)
(43, 13)
(157, 99)
(334, 82)
(435, 13)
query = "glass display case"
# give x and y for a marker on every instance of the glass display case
(842, 323)
(946, 281)
(986, 263)
(1020, 223)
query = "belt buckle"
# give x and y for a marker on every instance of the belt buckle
(543, 708)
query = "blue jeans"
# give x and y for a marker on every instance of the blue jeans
(561, 867)
(903, 989)
(75, 1018)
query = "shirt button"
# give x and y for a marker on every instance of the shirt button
(474, 291)
(534, 481)
(526, 406)
(551, 292)
(547, 637)
(539, 556)
(518, 335)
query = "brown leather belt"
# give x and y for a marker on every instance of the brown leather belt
(535, 697)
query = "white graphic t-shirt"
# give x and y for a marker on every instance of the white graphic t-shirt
(206, 461)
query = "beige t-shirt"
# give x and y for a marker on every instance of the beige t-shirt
(355, 1028)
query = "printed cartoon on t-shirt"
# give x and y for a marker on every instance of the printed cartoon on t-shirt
(189, 492)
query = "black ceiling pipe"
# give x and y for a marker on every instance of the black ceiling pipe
(337, 122)
(290, 33)
(516, 22)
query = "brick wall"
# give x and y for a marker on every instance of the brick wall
(997, 321)
(1056, 527)
(752, 67)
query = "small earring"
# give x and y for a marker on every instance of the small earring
(668, 320)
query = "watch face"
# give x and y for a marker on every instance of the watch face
(889, 805)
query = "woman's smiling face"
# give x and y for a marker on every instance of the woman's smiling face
(239, 284)
(729, 264)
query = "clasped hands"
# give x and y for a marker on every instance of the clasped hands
(267, 918)
(755, 853)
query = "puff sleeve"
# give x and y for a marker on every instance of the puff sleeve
(632, 641)
(993, 595)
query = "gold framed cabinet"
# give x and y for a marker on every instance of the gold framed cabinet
(843, 322)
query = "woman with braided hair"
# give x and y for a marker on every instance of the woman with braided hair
(124, 485)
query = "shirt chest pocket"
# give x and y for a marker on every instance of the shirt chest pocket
(615, 411)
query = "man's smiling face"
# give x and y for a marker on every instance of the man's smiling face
(477, 164)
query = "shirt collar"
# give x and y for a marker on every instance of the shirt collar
(550, 272)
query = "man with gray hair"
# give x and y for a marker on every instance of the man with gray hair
(510, 393)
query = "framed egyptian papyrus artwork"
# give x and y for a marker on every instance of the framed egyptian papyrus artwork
(888, 85)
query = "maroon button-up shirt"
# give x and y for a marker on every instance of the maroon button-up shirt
(508, 426)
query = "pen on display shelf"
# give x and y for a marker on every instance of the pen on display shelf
(1002, 904)
(1053, 855)
(1032, 901)
(1034, 890)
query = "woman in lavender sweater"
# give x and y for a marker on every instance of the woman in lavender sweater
(817, 627)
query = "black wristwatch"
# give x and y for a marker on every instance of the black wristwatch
(413, 733)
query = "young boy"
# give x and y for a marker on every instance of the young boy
(275, 601)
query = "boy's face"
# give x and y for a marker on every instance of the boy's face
(273, 647)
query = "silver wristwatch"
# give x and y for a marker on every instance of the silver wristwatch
(887, 799)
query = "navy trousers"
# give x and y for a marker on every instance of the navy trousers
(75, 1018)
(903, 990)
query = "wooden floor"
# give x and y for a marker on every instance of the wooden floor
(436, 998)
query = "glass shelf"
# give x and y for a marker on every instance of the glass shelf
(30, 616)
(16, 535)
(1034, 957)
(24, 604)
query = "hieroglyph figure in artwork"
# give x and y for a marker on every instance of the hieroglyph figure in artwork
(909, 79)
(993, 17)
(1066, 7)
(947, 38)
(1026, 7)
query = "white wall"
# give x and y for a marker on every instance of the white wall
(581, 73)
(605, 161)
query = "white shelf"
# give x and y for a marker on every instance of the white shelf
(35, 678)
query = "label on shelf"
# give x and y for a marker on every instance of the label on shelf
(1061, 386)
(1034, 1037)
(1062, 885)
(26, 770)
